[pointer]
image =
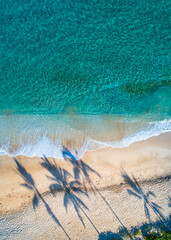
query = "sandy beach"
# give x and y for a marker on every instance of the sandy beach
(85, 120)
(105, 193)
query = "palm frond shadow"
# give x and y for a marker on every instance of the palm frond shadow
(61, 179)
(137, 192)
(83, 170)
(30, 184)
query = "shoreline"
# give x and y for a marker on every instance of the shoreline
(81, 142)
(106, 164)
(47, 198)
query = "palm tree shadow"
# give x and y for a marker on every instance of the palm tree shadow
(82, 169)
(30, 184)
(137, 192)
(169, 201)
(61, 179)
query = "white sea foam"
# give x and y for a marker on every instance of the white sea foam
(44, 145)
(153, 129)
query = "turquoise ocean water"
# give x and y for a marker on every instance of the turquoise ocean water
(84, 74)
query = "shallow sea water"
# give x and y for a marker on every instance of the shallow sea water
(73, 72)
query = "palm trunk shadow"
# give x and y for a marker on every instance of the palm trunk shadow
(30, 184)
(82, 168)
(112, 210)
(61, 181)
(137, 191)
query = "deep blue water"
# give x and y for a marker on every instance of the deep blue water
(84, 58)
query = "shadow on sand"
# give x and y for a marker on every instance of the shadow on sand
(71, 188)
(82, 170)
(30, 184)
(169, 201)
(74, 187)
(151, 230)
(138, 192)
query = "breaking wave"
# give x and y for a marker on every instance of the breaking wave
(50, 139)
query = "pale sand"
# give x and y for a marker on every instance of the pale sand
(108, 208)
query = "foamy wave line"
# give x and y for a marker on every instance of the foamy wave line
(46, 147)
(165, 126)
